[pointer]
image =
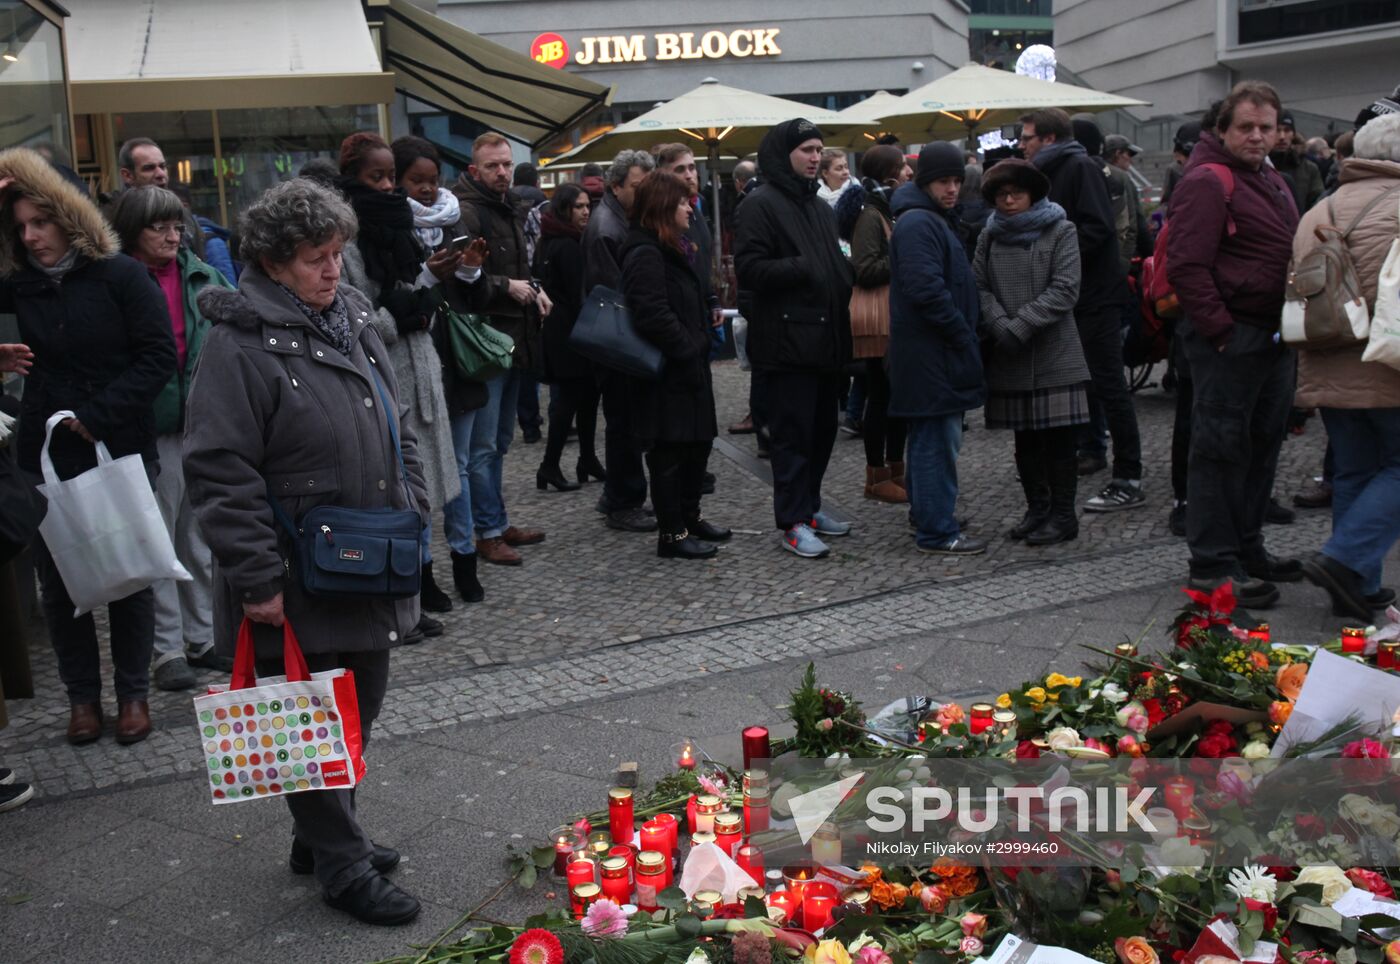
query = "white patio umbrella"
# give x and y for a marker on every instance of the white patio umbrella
(717, 118)
(974, 98)
(864, 118)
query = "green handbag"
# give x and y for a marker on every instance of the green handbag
(479, 351)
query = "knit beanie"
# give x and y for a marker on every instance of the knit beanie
(939, 159)
(797, 131)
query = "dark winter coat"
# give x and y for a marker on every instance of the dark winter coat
(1223, 277)
(101, 337)
(794, 282)
(195, 276)
(273, 405)
(1078, 184)
(934, 359)
(499, 221)
(559, 268)
(602, 244)
(670, 310)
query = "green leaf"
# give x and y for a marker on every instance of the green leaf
(688, 926)
(1314, 915)
(755, 907)
(1345, 955)
(1129, 873)
(928, 957)
(528, 876)
(1376, 921)
(543, 856)
(672, 898)
(18, 898)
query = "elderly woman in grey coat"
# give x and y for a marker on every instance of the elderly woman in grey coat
(1027, 270)
(286, 405)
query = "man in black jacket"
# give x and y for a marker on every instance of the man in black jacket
(625, 488)
(514, 304)
(795, 291)
(1077, 184)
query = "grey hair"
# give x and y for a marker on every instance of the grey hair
(138, 208)
(291, 214)
(1379, 140)
(745, 170)
(622, 165)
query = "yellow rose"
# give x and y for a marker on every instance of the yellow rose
(1035, 694)
(1004, 701)
(1332, 878)
(1055, 680)
(1135, 950)
(827, 952)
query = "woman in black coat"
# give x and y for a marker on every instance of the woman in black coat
(673, 418)
(96, 341)
(559, 268)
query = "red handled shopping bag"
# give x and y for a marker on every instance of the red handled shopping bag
(281, 734)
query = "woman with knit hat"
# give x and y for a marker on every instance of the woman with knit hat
(1027, 270)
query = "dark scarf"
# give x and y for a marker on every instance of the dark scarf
(552, 227)
(386, 238)
(332, 322)
(1023, 229)
(1050, 153)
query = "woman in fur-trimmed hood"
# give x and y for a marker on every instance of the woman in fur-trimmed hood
(96, 341)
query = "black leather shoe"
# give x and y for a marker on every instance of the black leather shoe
(708, 531)
(1275, 569)
(303, 859)
(375, 900)
(553, 475)
(683, 545)
(1381, 598)
(632, 520)
(590, 467)
(431, 597)
(1279, 515)
(1343, 585)
(464, 577)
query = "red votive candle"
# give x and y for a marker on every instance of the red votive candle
(690, 814)
(1353, 639)
(672, 827)
(756, 745)
(729, 828)
(818, 901)
(756, 810)
(580, 869)
(750, 860)
(583, 897)
(1385, 655)
(1179, 792)
(785, 901)
(1260, 633)
(686, 760)
(651, 876)
(628, 853)
(620, 815)
(980, 718)
(654, 837)
(617, 887)
(563, 838)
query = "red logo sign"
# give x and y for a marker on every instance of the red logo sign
(550, 49)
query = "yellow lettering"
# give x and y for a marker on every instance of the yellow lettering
(668, 46)
(744, 36)
(550, 52)
(763, 45)
(714, 44)
(630, 49)
(690, 52)
(587, 55)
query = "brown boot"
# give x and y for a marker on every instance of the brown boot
(514, 536)
(880, 485)
(897, 474)
(496, 552)
(84, 723)
(133, 721)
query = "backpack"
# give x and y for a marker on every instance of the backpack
(1160, 300)
(1324, 306)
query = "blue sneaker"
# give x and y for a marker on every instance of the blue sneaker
(802, 541)
(825, 525)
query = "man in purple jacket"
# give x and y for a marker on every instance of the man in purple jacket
(1232, 221)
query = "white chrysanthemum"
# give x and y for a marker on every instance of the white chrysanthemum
(1253, 882)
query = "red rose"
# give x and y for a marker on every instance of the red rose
(1370, 880)
(1213, 746)
(1269, 910)
(1026, 750)
(1365, 750)
(1273, 863)
(1219, 727)
(1309, 826)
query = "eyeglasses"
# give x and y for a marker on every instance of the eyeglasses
(1007, 193)
(166, 227)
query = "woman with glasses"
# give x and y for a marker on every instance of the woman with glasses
(559, 267)
(96, 341)
(149, 224)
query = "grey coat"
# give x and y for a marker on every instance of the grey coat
(419, 370)
(1031, 292)
(273, 404)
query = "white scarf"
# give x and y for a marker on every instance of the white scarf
(428, 222)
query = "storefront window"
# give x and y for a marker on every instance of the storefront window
(248, 150)
(33, 102)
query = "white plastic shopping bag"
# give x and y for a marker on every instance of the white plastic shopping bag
(103, 528)
(1384, 343)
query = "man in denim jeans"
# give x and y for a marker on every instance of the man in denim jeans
(514, 305)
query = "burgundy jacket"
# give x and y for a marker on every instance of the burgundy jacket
(1223, 277)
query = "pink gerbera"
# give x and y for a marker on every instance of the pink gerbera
(537, 946)
(604, 919)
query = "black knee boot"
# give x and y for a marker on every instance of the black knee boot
(1035, 484)
(464, 576)
(1063, 524)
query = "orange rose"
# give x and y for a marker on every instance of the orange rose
(883, 895)
(1279, 712)
(944, 867)
(1289, 680)
(1135, 950)
(960, 886)
(899, 894)
(1259, 660)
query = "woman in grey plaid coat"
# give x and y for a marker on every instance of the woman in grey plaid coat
(1027, 270)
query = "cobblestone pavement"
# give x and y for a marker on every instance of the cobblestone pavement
(591, 653)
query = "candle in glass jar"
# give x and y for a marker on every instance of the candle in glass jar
(616, 886)
(756, 810)
(980, 718)
(796, 877)
(654, 836)
(627, 853)
(1178, 793)
(728, 829)
(690, 815)
(707, 902)
(620, 814)
(686, 759)
(706, 806)
(1385, 655)
(582, 897)
(701, 837)
(651, 878)
(1005, 723)
(1129, 650)
(1260, 633)
(672, 827)
(1353, 639)
(580, 869)
(783, 902)
(750, 860)
(818, 901)
(826, 846)
(755, 779)
(930, 730)
(563, 848)
(756, 746)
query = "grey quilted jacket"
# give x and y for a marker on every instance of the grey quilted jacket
(1031, 292)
